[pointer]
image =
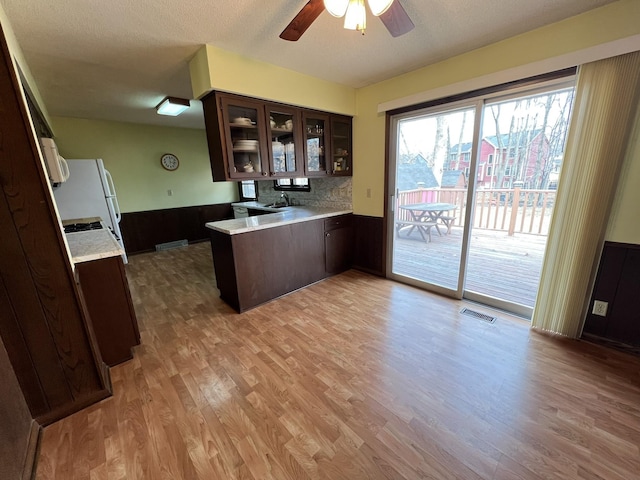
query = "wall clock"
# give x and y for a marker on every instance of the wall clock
(170, 162)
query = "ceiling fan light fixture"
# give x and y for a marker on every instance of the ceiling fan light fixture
(356, 16)
(378, 7)
(172, 106)
(337, 8)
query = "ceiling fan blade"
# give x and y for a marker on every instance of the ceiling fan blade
(303, 20)
(396, 20)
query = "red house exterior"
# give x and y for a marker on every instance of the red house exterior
(521, 157)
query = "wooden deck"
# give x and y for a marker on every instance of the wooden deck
(499, 265)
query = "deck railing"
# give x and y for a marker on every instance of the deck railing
(513, 210)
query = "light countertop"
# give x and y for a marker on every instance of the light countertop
(92, 245)
(284, 216)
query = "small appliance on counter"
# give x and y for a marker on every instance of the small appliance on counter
(89, 192)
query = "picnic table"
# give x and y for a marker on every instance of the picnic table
(424, 216)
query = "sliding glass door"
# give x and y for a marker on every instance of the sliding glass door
(422, 210)
(518, 168)
(472, 188)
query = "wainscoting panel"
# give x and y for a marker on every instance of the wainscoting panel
(142, 231)
(16, 422)
(618, 284)
(369, 244)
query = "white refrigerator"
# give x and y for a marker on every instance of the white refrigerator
(89, 192)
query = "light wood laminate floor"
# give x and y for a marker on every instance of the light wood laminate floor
(355, 377)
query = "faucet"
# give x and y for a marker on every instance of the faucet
(284, 197)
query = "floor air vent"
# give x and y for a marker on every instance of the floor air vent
(481, 316)
(169, 245)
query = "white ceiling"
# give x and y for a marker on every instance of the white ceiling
(116, 59)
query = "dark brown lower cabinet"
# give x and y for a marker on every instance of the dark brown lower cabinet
(338, 243)
(106, 293)
(255, 267)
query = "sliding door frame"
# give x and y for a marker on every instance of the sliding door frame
(395, 120)
(477, 100)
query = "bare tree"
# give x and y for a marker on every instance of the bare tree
(542, 153)
(437, 160)
(558, 134)
(502, 159)
(460, 140)
(407, 150)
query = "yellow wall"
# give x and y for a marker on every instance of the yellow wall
(609, 23)
(624, 226)
(132, 154)
(216, 69)
(18, 56)
(143, 184)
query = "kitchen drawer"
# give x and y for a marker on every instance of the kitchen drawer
(341, 221)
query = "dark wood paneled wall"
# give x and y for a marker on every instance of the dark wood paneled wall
(43, 325)
(369, 247)
(618, 283)
(15, 423)
(142, 231)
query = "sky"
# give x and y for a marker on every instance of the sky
(417, 135)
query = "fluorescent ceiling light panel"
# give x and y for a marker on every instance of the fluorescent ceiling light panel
(172, 106)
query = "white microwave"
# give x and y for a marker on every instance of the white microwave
(56, 165)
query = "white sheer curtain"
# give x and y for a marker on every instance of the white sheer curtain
(607, 95)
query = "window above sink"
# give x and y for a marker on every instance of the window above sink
(292, 184)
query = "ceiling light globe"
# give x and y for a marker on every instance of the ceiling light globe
(378, 7)
(356, 16)
(337, 8)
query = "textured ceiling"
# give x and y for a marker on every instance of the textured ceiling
(116, 59)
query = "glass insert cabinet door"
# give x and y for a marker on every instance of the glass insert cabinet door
(284, 132)
(245, 127)
(340, 146)
(316, 144)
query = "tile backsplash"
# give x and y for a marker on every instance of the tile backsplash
(330, 192)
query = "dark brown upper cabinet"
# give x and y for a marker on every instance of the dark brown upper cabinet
(316, 144)
(341, 145)
(285, 145)
(251, 139)
(244, 129)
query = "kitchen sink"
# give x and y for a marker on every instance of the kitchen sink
(276, 205)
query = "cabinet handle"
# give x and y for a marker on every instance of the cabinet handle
(264, 174)
(327, 234)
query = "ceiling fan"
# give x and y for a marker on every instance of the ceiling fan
(392, 14)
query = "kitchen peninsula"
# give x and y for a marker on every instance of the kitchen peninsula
(257, 259)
